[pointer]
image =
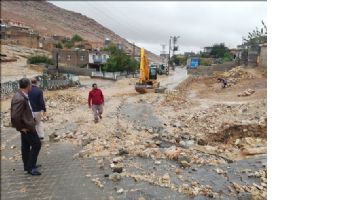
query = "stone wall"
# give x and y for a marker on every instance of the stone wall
(263, 56)
(76, 71)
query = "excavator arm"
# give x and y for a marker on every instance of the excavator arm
(144, 68)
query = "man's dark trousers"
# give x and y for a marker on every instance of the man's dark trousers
(30, 147)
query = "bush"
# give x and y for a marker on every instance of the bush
(59, 45)
(39, 59)
(76, 38)
(69, 44)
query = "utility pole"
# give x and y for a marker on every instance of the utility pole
(57, 55)
(175, 48)
(169, 54)
(163, 53)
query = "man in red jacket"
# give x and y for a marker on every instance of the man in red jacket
(96, 102)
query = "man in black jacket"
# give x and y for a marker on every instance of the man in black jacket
(38, 107)
(22, 119)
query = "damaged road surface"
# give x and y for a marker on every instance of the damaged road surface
(195, 141)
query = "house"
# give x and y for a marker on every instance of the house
(83, 45)
(70, 57)
(14, 32)
(18, 34)
(207, 50)
(46, 43)
(96, 44)
(59, 38)
(107, 42)
(97, 59)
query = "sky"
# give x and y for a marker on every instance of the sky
(150, 24)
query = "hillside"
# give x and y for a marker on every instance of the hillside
(48, 19)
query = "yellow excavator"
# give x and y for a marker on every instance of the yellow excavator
(148, 76)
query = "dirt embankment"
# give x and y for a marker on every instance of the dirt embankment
(14, 62)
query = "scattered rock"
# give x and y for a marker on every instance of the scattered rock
(117, 167)
(120, 191)
(117, 160)
(122, 152)
(83, 153)
(220, 171)
(115, 176)
(53, 137)
(184, 164)
(245, 93)
(202, 142)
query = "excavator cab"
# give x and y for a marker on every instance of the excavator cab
(153, 72)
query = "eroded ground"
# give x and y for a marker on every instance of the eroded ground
(196, 141)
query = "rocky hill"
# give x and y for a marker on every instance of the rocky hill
(48, 19)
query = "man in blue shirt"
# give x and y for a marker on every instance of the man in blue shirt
(38, 107)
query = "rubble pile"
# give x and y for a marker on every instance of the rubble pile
(258, 192)
(184, 85)
(176, 99)
(246, 92)
(219, 118)
(237, 74)
(64, 102)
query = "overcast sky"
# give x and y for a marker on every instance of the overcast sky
(199, 24)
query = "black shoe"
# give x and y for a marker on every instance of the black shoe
(37, 166)
(34, 172)
(41, 138)
(100, 116)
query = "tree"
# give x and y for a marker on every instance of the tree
(219, 51)
(179, 60)
(119, 61)
(76, 38)
(59, 45)
(256, 37)
(68, 44)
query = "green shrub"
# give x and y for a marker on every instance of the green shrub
(206, 61)
(69, 44)
(76, 38)
(59, 45)
(39, 59)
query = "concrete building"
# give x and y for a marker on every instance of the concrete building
(71, 58)
(98, 57)
(207, 50)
